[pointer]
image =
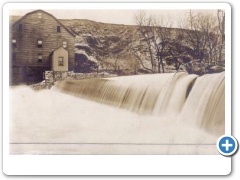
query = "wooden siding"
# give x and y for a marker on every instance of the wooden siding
(34, 29)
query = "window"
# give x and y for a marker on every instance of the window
(58, 29)
(40, 43)
(64, 44)
(40, 58)
(20, 27)
(13, 56)
(14, 43)
(39, 15)
(60, 61)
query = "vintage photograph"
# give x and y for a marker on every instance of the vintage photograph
(116, 82)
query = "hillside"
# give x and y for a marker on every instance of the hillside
(105, 43)
(112, 46)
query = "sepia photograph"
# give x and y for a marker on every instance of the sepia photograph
(116, 81)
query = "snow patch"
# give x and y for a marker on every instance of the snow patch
(90, 58)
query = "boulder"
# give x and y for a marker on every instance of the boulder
(195, 68)
(214, 69)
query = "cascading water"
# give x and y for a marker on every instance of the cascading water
(205, 105)
(197, 100)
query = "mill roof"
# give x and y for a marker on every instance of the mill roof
(39, 10)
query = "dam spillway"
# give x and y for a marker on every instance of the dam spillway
(198, 101)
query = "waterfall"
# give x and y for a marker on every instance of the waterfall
(199, 101)
(205, 105)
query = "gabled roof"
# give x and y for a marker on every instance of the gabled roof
(57, 49)
(39, 10)
(60, 47)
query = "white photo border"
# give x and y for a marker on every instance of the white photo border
(114, 164)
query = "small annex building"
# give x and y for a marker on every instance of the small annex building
(59, 59)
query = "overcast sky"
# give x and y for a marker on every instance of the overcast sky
(111, 16)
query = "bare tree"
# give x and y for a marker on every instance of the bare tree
(203, 37)
(145, 29)
(136, 52)
(207, 25)
(177, 49)
(162, 35)
(155, 34)
(194, 38)
(221, 27)
(197, 43)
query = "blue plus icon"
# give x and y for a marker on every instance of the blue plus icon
(227, 145)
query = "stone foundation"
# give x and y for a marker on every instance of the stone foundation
(53, 76)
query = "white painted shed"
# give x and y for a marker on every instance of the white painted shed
(60, 59)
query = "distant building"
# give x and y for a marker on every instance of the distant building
(39, 42)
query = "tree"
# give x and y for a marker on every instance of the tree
(162, 36)
(155, 35)
(177, 49)
(206, 35)
(195, 37)
(221, 27)
(197, 43)
(145, 30)
(136, 50)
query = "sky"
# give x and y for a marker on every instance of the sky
(112, 16)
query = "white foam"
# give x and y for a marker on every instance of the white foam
(53, 117)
